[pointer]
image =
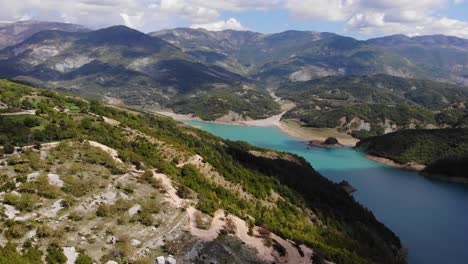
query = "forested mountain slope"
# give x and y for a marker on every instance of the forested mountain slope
(303, 55)
(87, 162)
(376, 104)
(128, 65)
(443, 151)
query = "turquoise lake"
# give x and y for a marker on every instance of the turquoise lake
(430, 216)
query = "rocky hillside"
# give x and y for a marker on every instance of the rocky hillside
(445, 57)
(303, 55)
(242, 51)
(444, 152)
(377, 104)
(14, 33)
(128, 65)
(384, 84)
(81, 180)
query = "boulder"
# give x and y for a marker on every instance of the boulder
(135, 242)
(160, 260)
(171, 260)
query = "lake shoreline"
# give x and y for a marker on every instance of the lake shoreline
(377, 184)
(295, 131)
(408, 166)
(419, 168)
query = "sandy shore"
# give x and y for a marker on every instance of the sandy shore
(316, 135)
(408, 166)
(288, 127)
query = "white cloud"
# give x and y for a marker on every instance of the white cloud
(405, 17)
(330, 10)
(362, 16)
(411, 17)
(231, 23)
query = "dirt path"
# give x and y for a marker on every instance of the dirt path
(219, 219)
(25, 112)
(217, 224)
(112, 152)
(241, 231)
(173, 198)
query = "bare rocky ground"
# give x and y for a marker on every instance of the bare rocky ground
(85, 198)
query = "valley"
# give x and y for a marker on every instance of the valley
(423, 211)
(153, 172)
(361, 88)
(187, 145)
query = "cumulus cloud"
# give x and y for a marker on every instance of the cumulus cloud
(140, 14)
(331, 10)
(231, 23)
(407, 17)
(410, 17)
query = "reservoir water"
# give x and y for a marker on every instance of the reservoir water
(430, 216)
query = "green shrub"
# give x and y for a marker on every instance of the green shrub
(331, 141)
(44, 231)
(103, 210)
(75, 216)
(24, 202)
(8, 186)
(148, 176)
(32, 254)
(184, 192)
(77, 187)
(9, 255)
(150, 205)
(55, 254)
(42, 187)
(83, 259)
(16, 230)
(144, 218)
(8, 148)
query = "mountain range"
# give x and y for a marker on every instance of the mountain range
(14, 33)
(70, 164)
(302, 55)
(211, 74)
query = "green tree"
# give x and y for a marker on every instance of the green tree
(8, 148)
(331, 141)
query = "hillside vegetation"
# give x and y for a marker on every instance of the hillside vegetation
(281, 192)
(187, 70)
(128, 65)
(443, 151)
(377, 104)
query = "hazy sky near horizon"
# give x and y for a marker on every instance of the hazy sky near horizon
(357, 18)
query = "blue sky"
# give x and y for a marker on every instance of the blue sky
(277, 20)
(357, 18)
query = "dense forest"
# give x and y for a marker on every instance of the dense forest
(248, 101)
(383, 102)
(313, 210)
(443, 151)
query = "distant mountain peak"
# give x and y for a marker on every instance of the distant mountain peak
(437, 39)
(16, 32)
(122, 35)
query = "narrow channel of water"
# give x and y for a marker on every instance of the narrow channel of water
(430, 216)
